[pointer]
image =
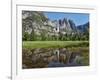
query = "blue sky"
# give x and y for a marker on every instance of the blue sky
(78, 18)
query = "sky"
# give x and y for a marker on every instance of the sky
(78, 18)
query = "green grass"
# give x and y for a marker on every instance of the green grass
(54, 44)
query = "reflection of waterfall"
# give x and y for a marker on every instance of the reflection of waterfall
(56, 52)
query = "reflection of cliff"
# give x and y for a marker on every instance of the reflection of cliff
(37, 24)
(40, 57)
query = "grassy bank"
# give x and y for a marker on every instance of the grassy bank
(54, 44)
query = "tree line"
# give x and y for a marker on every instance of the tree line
(61, 37)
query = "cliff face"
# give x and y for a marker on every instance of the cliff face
(39, 24)
(84, 27)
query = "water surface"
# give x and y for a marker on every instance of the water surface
(55, 57)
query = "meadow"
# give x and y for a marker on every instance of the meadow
(54, 44)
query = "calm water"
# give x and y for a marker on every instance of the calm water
(59, 57)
